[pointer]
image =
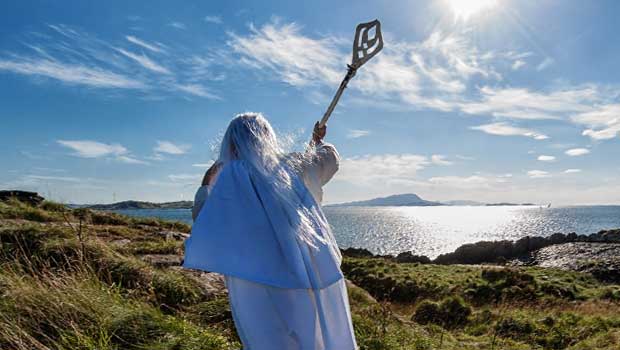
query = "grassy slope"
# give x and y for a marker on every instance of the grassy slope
(58, 291)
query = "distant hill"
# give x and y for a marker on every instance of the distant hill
(464, 203)
(142, 205)
(508, 204)
(398, 200)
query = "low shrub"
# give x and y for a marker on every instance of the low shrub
(451, 312)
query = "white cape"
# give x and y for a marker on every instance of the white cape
(243, 231)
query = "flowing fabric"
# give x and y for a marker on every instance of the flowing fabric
(244, 231)
(270, 318)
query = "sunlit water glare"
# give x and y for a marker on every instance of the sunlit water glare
(435, 230)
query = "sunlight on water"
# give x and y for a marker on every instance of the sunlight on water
(435, 230)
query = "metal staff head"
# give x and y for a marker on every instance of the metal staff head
(368, 42)
(365, 48)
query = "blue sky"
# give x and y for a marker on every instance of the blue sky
(519, 101)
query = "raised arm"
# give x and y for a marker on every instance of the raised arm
(322, 165)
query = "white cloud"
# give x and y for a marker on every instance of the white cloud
(93, 149)
(294, 58)
(185, 177)
(572, 171)
(203, 165)
(144, 61)
(547, 62)
(130, 160)
(384, 167)
(196, 90)
(428, 74)
(70, 73)
(462, 182)
(518, 64)
(355, 133)
(171, 148)
(178, 25)
(544, 158)
(503, 129)
(54, 178)
(213, 19)
(603, 122)
(438, 159)
(462, 157)
(575, 152)
(144, 44)
(436, 73)
(521, 103)
(538, 174)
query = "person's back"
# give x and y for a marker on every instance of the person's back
(258, 221)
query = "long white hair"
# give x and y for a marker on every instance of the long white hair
(251, 139)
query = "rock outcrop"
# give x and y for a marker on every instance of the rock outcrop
(31, 198)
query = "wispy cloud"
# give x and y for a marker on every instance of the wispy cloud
(196, 90)
(144, 61)
(384, 167)
(544, 158)
(93, 149)
(202, 165)
(73, 56)
(438, 159)
(131, 160)
(296, 59)
(178, 25)
(575, 152)
(70, 73)
(462, 182)
(213, 19)
(144, 44)
(521, 103)
(546, 63)
(188, 178)
(356, 133)
(504, 129)
(54, 178)
(518, 64)
(603, 122)
(443, 72)
(538, 174)
(171, 148)
(572, 171)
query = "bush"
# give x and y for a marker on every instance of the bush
(14, 209)
(514, 328)
(427, 312)
(451, 312)
(53, 206)
(104, 218)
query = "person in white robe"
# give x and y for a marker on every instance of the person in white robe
(258, 221)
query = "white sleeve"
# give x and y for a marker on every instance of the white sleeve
(199, 200)
(328, 162)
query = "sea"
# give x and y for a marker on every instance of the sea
(436, 230)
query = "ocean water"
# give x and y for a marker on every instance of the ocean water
(435, 230)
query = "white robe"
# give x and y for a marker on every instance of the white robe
(272, 318)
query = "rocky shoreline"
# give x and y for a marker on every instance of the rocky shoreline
(597, 253)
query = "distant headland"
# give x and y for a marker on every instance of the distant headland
(413, 200)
